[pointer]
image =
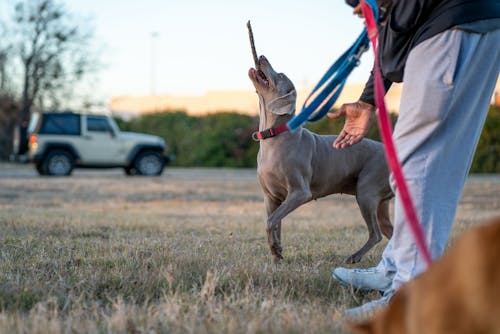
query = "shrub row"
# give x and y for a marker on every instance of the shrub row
(225, 139)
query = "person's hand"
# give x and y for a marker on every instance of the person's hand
(357, 11)
(358, 118)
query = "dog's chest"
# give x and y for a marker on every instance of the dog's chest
(273, 186)
(272, 178)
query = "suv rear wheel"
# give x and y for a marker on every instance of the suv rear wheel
(58, 163)
(149, 163)
(40, 168)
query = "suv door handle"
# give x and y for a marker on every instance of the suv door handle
(87, 137)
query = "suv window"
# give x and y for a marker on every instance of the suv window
(60, 124)
(98, 124)
(35, 118)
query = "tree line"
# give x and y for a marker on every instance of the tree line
(45, 52)
(225, 139)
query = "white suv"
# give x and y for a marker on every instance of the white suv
(58, 142)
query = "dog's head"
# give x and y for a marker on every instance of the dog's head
(276, 89)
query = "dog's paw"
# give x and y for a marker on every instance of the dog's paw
(354, 258)
(276, 250)
(278, 256)
(278, 259)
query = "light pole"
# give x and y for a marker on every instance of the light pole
(154, 36)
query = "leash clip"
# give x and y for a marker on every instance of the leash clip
(357, 56)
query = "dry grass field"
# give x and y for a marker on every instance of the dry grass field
(99, 252)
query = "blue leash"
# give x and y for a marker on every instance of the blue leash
(331, 84)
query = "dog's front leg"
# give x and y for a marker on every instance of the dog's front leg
(271, 206)
(273, 228)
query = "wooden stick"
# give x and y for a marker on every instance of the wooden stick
(252, 45)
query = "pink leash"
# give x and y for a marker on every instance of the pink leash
(390, 150)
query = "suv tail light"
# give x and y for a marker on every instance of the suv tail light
(33, 141)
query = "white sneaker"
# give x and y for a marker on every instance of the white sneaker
(363, 279)
(367, 310)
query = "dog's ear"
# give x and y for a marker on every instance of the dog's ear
(283, 105)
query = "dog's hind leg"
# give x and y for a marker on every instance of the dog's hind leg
(368, 207)
(273, 228)
(384, 220)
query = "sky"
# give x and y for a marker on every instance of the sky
(189, 47)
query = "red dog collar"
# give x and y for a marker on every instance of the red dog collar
(271, 132)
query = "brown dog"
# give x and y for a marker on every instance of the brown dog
(460, 293)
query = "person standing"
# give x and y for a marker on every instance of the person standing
(447, 53)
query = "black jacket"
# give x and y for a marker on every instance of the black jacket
(410, 22)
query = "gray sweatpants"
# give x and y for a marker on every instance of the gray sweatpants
(448, 83)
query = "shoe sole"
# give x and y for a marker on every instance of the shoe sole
(345, 284)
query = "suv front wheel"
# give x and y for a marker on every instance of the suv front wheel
(149, 163)
(57, 163)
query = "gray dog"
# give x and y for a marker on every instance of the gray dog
(295, 168)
